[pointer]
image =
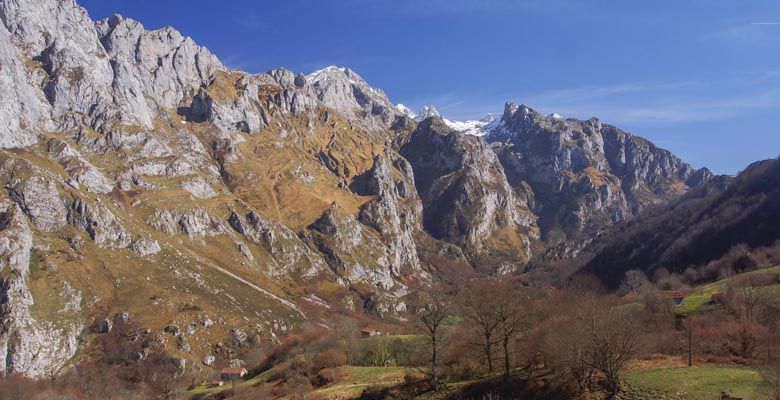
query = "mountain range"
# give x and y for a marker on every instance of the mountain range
(144, 179)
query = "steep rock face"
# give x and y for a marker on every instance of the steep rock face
(291, 256)
(350, 249)
(24, 110)
(395, 212)
(62, 38)
(39, 199)
(69, 72)
(27, 345)
(584, 175)
(466, 198)
(161, 65)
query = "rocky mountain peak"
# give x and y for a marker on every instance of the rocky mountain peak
(427, 112)
(98, 75)
(518, 119)
(466, 198)
(347, 92)
(434, 124)
(584, 173)
(405, 111)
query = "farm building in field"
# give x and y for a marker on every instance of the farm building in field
(368, 332)
(676, 296)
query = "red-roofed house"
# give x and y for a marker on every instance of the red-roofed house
(675, 295)
(233, 373)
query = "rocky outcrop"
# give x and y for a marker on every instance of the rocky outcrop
(39, 199)
(132, 144)
(78, 167)
(239, 102)
(146, 247)
(199, 188)
(350, 249)
(29, 346)
(584, 175)
(466, 198)
(100, 223)
(193, 223)
(171, 168)
(291, 256)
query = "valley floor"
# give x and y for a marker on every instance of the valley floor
(661, 379)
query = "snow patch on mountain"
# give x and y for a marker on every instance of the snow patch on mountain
(476, 127)
(406, 111)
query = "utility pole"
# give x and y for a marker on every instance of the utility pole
(690, 340)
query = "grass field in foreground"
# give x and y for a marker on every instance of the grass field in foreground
(698, 383)
(357, 379)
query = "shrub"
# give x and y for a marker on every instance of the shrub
(329, 358)
(326, 376)
(294, 384)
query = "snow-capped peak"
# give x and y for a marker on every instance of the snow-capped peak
(428, 111)
(406, 111)
(476, 127)
(321, 73)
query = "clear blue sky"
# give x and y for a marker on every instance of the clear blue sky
(699, 77)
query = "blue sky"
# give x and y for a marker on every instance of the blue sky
(700, 77)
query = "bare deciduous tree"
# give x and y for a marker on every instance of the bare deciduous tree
(614, 336)
(162, 374)
(770, 374)
(747, 300)
(479, 309)
(633, 281)
(511, 317)
(769, 370)
(434, 308)
(565, 350)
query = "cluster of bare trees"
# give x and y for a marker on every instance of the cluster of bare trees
(749, 302)
(597, 338)
(491, 310)
(583, 338)
(497, 313)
